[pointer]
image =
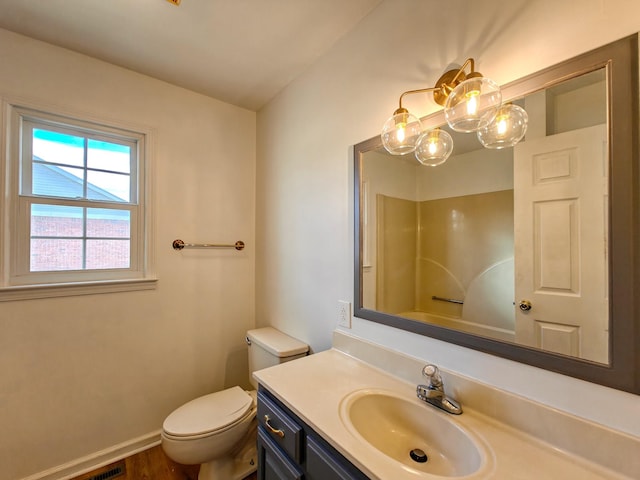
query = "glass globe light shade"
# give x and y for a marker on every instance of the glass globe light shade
(507, 128)
(472, 104)
(434, 147)
(400, 132)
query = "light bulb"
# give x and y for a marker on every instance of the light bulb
(472, 104)
(507, 129)
(502, 124)
(400, 132)
(434, 147)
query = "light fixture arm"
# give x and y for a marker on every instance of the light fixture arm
(411, 92)
(445, 84)
(471, 62)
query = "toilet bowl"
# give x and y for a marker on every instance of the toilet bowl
(218, 430)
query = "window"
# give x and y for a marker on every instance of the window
(76, 212)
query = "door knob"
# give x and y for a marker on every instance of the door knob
(524, 305)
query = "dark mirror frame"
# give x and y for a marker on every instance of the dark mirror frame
(623, 371)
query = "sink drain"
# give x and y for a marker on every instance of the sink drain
(418, 455)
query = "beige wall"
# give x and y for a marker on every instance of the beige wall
(304, 170)
(83, 374)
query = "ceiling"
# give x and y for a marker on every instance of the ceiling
(239, 51)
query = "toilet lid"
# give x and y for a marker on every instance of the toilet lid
(208, 413)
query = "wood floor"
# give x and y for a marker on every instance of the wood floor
(151, 464)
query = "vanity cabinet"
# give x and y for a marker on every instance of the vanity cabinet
(288, 449)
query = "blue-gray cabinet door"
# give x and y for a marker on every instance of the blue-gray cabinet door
(273, 463)
(324, 465)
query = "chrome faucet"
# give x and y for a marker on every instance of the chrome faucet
(433, 393)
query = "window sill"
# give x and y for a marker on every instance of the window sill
(29, 292)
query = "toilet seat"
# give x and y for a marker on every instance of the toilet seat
(209, 414)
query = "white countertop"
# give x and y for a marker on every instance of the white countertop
(314, 387)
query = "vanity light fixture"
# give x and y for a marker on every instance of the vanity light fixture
(471, 104)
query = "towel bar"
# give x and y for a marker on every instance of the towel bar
(179, 245)
(450, 300)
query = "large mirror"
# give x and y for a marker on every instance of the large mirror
(526, 252)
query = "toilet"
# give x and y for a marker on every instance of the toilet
(218, 430)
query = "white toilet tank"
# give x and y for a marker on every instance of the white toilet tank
(269, 347)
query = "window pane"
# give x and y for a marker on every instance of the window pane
(52, 254)
(109, 156)
(55, 147)
(56, 221)
(89, 251)
(108, 186)
(103, 254)
(55, 181)
(104, 222)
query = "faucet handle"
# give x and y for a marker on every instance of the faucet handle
(431, 373)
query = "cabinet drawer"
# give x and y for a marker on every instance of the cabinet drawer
(281, 428)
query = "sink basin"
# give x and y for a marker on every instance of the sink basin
(406, 431)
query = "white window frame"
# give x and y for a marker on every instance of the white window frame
(17, 282)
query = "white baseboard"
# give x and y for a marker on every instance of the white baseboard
(99, 459)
